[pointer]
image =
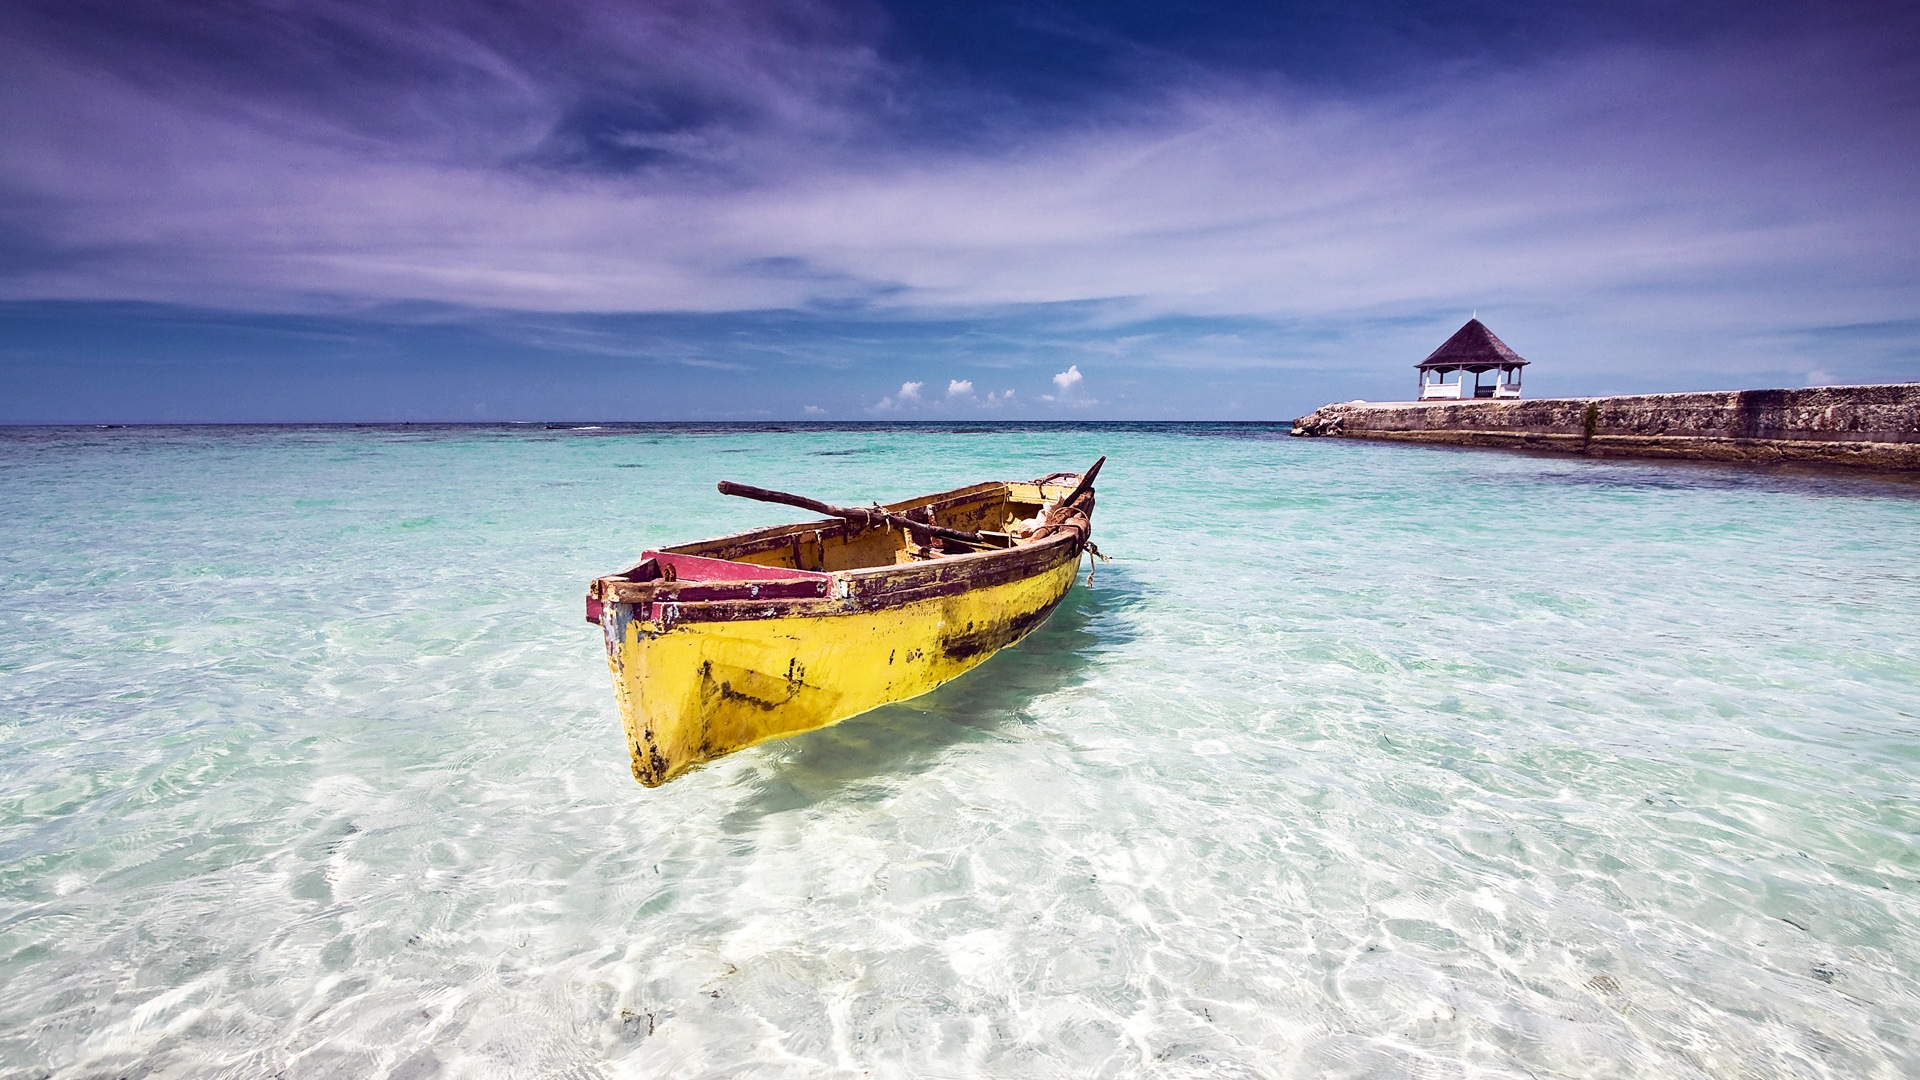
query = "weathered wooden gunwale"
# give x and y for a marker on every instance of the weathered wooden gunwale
(870, 587)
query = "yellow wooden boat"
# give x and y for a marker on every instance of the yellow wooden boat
(721, 644)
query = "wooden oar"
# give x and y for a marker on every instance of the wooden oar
(862, 514)
(868, 516)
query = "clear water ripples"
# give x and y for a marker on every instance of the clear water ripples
(1358, 760)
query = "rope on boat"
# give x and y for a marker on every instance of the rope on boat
(1094, 553)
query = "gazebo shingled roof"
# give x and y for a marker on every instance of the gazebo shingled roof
(1473, 348)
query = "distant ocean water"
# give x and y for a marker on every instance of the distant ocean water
(1358, 760)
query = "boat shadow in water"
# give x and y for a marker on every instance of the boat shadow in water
(983, 705)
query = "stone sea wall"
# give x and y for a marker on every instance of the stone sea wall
(1868, 426)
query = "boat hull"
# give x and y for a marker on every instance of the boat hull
(720, 644)
(695, 682)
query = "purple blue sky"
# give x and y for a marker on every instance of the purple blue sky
(589, 209)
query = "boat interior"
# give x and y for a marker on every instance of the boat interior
(999, 510)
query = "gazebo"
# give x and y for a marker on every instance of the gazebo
(1472, 348)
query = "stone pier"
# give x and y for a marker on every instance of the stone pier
(1874, 427)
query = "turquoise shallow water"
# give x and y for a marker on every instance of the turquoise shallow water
(1357, 760)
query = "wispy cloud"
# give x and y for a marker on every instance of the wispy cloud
(1624, 204)
(1617, 174)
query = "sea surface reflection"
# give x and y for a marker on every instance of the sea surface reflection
(1358, 760)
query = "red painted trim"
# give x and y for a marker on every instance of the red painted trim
(594, 609)
(701, 568)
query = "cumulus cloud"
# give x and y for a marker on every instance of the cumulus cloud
(1068, 384)
(908, 394)
(959, 388)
